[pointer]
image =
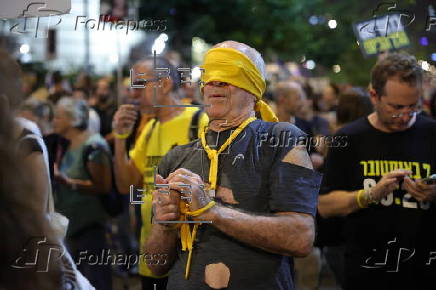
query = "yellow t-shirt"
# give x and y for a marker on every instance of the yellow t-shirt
(155, 141)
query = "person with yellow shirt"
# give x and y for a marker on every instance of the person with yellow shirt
(172, 125)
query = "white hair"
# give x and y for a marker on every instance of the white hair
(77, 109)
(250, 52)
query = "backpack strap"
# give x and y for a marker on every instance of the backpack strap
(195, 125)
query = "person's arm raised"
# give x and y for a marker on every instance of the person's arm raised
(126, 173)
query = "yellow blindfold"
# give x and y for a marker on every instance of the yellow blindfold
(233, 67)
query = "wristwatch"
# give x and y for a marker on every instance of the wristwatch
(370, 197)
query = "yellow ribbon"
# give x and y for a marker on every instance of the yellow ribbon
(231, 66)
(186, 237)
(213, 154)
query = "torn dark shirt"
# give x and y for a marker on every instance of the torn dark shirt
(261, 184)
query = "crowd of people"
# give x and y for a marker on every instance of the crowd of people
(222, 205)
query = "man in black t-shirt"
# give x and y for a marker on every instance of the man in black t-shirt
(376, 182)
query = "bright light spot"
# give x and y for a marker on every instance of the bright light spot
(433, 56)
(24, 48)
(310, 64)
(196, 74)
(113, 58)
(332, 24)
(158, 47)
(336, 68)
(159, 43)
(163, 36)
(425, 65)
(313, 20)
(199, 48)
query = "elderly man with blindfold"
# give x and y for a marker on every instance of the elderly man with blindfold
(233, 207)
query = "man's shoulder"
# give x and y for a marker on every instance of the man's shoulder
(186, 148)
(175, 156)
(426, 123)
(357, 127)
(277, 128)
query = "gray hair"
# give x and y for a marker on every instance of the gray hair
(285, 88)
(77, 109)
(250, 52)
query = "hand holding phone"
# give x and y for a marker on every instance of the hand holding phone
(430, 180)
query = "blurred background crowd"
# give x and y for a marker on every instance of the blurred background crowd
(85, 75)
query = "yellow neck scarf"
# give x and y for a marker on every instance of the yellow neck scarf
(214, 154)
(233, 67)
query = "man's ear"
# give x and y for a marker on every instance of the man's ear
(374, 97)
(167, 85)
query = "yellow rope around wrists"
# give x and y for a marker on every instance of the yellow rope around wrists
(120, 136)
(358, 198)
(186, 237)
(201, 210)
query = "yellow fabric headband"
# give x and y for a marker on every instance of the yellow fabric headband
(233, 67)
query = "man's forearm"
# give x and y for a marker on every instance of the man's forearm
(290, 234)
(162, 241)
(337, 203)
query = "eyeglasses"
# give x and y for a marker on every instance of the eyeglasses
(410, 114)
(414, 110)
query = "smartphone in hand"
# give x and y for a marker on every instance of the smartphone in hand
(430, 180)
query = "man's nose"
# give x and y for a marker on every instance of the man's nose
(406, 117)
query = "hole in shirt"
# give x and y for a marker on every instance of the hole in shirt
(217, 276)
